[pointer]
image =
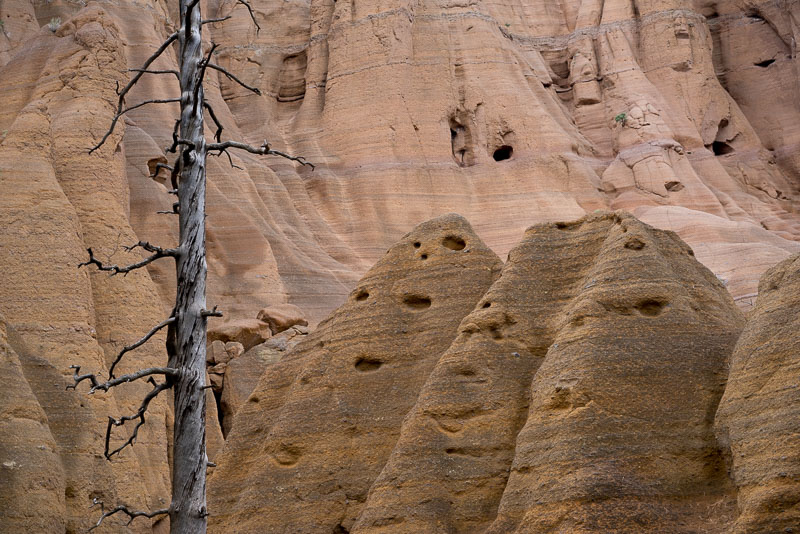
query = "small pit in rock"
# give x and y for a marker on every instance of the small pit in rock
(366, 364)
(673, 187)
(764, 64)
(634, 244)
(502, 153)
(650, 307)
(417, 244)
(423, 257)
(454, 243)
(417, 302)
(362, 296)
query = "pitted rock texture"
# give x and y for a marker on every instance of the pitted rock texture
(578, 395)
(759, 416)
(511, 113)
(313, 436)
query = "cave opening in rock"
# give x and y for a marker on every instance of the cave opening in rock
(720, 148)
(764, 64)
(502, 153)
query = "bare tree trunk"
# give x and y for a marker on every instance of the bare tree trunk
(188, 510)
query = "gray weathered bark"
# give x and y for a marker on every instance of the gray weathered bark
(188, 509)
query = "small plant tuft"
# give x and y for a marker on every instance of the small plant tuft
(54, 24)
(620, 118)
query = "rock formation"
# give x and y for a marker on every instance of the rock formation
(313, 436)
(759, 416)
(578, 395)
(511, 113)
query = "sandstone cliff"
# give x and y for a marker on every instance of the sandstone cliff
(578, 395)
(510, 113)
(759, 416)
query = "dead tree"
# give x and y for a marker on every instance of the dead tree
(186, 326)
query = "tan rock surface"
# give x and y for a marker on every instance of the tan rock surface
(282, 316)
(402, 107)
(317, 430)
(759, 416)
(247, 332)
(578, 396)
(243, 372)
(32, 492)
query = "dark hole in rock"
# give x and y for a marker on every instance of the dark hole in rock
(650, 307)
(454, 243)
(417, 302)
(487, 304)
(362, 295)
(634, 244)
(365, 365)
(339, 528)
(451, 450)
(673, 187)
(720, 148)
(453, 133)
(253, 400)
(764, 64)
(466, 371)
(503, 153)
(417, 244)
(424, 256)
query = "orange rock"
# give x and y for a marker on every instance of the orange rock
(759, 415)
(247, 332)
(308, 443)
(282, 316)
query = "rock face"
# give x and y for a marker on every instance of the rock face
(31, 499)
(511, 113)
(316, 432)
(578, 395)
(759, 416)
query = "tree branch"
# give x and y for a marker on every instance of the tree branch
(246, 4)
(263, 150)
(121, 102)
(232, 77)
(212, 21)
(138, 344)
(124, 509)
(116, 269)
(218, 133)
(169, 372)
(167, 71)
(140, 413)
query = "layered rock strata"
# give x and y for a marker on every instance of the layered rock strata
(511, 113)
(578, 395)
(759, 416)
(316, 432)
